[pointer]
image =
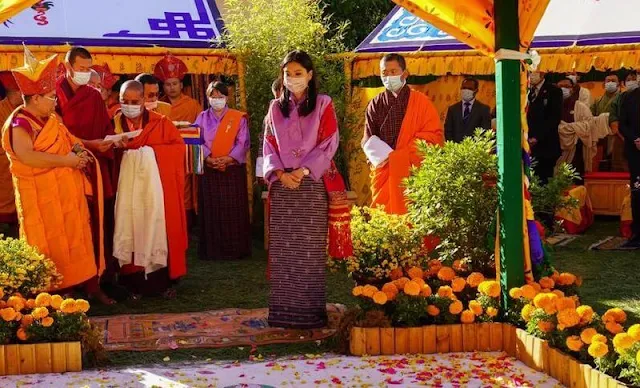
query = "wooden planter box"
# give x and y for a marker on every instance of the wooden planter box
(40, 358)
(607, 191)
(480, 337)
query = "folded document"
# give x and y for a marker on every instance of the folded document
(120, 136)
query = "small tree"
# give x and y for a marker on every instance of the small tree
(452, 197)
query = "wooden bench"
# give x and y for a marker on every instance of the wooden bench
(607, 191)
(351, 195)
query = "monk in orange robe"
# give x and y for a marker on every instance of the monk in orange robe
(395, 120)
(159, 133)
(171, 71)
(46, 163)
(12, 100)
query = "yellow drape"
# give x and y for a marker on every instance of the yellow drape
(10, 8)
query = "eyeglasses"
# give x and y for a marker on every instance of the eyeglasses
(54, 99)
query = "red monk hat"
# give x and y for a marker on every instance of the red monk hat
(7, 81)
(36, 77)
(170, 67)
(106, 76)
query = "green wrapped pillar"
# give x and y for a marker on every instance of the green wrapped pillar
(509, 148)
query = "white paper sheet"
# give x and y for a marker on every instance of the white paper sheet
(377, 151)
(118, 137)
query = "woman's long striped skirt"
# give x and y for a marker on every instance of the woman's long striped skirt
(298, 254)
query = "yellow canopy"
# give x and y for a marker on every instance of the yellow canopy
(10, 8)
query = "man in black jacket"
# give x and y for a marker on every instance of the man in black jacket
(465, 116)
(543, 117)
(630, 130)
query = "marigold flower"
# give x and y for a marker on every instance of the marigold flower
(598, 349)
(634, 332)
(619, 313)
(579, 281)
(515, 293)
(568, 318)
(69, 305)
(528, 291)
(8, 314)
(27, 319)
(458, 284)
(623, 341)
(22, 334)
(536, 286)
(445, 292)
(380, 298)
(574, 343)
(467, 316)
(614, 327)
(541, 300)
(43, 300)
(459, 266)
(426, 291)
(492, 312)
(555, 275)
(17, 302)
(47, 322)
(367, 291)
(545, 326)
(565, 303)
(456, 307)
(434, 266)
(400, 283)
(558, 293)
(586, 314)
(474, 279)
(40, 312)
(587, 335)
(391, 290)
(599, 338)
(419, 281)
(357, 290)
(566, 279)
(30, 304)
(415, 273)
(433, 310)
(476, 307)
(446, 274)
(412, 288)
(490, 288)
(547, 282)
(56, 301)
(1, 293)
(396, 273)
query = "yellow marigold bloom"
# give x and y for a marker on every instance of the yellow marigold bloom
(396, 273)
(415, 273)
(566, 279)
(26, 320)
(474, 279)
(357, 290)
(30, 304)
(445, 292)
(526, 312)
(17, 302)
(426, 291)
(433, 310)
(587, 335)
(623, 341)
(69, 306)
(8, 314)
(467, 316)
(634, 332)
(559, 293)
(614, 327)
(47, 322)
(56, 301)
(22, 334)
(492, 312)
(82, 305)
(380, 298)
(456, 307)
(546, 327)
(490, 288)
(412, 288)
(599, 338)
(598, 349)
(367, 291)
(43, 300)
(40, 312)
(458, 284)
(528, 291)
(565, 303)
(515, 293)
(568, 318)
(476, 307)
(574, 343)
(400, 283)
(585, 313)
(541, 300)
(547, 282)
(446, 274)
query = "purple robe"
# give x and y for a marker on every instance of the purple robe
(209, 122)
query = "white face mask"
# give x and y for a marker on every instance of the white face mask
(131, 111)
(151, 105)
(217, 103)
(566, 93)
(467, 95)
(573, 78)
(611, 87)
(631, 85)
(393, 83)
(534, 79)
(81, 77)
(296, 85)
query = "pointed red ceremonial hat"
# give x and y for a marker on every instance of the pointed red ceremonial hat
(170, 67)
(36, 77)
(106, 76)
(7, 81)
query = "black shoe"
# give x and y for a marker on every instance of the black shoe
(632, 243)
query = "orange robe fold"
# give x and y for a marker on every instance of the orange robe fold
(52, 207)
(7, 197)
(161, 135)
(421, 122)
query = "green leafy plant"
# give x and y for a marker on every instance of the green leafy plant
(24, 270)
(547, 199)
(452, 196)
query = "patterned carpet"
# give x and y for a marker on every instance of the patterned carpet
(209, 329)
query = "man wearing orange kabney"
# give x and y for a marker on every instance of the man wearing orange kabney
(395, 120)
(49, 184)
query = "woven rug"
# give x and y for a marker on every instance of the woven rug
(561, 239)
(208, 329)
(610, 244)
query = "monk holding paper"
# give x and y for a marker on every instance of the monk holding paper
(395, 120)
(12, 100)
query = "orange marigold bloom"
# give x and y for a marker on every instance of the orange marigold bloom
(526, 312)
(555, 275)
(623, 341)
(579, 281)
(22, 334)
(40, 312)
(1, 293)
(367, 291)
(541, 300)
(634, 332)
(490, 288)
(445, 292)
(8, 314)
(458, 284)
(357, 290)
(547, 282)
(476, 307)
(396, 273)
(614, 327)
(400, 283)
(599, 338)
(467, 316)
(536, 286)
(545, 326)
(43, 300)
(380, 298)
(559, 293)
(456, 307)
(30, 304)
(515, 293)
(598, 349)
(412, 288)
(459, 266)
(566, 279)
(528, 291)
(433, 310)
(26, 320)
(446, 274)
(56, 301)
(420, 282)
(574, 343)
(17, 302)
(474, 279)
(18, 317)
(620, 315)
(47, 322)
(426, 291)
(390, 289)
(415, 273)
(565, 303)
(69, 306)
(585, 313)
(568, 318)
(492, 312)
(587, 335)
